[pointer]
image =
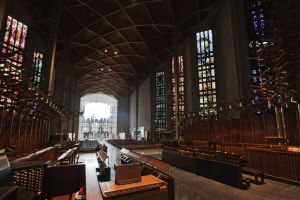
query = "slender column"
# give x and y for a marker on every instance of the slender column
(176, 72)
(2, 10)
(137, 111)
(52, 43)
(298, 122)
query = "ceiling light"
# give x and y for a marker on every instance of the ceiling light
(109, 70)
(116, 53)
(105, 50)
(102, 69)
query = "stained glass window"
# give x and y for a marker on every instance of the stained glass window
(206, 74)
(258, 35)
(160, 103)
(180, 93)
(37, 68)
(13, 56)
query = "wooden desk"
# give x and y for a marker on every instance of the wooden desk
(136, 191)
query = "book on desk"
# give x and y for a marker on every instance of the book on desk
(148, 188)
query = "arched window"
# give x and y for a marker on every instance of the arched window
(99, 118)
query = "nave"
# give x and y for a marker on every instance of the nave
(191, 187)
(149, 99)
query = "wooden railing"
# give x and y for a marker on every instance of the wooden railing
(148, 160)
(50, 153)
(282, 164)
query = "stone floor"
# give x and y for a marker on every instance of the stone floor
(189, 186)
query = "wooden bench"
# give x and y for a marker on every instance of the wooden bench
(68, 157)
(103, 171)
(255, 173)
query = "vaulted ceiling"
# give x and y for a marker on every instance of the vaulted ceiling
(115, 44)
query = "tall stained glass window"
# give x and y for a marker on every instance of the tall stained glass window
(258, 38)
(206, 74)
(180, 93)
(14, 41)
(13, 55)
(37, 68)
(160, 103)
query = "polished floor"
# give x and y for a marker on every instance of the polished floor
(189, 186)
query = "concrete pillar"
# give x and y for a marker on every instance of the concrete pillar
(137, 110)
(2, 11)
(50, 60)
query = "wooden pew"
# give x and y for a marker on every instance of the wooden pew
(220, 166)
(68, 157)
(103, 171)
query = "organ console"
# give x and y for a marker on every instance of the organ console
(149, 188)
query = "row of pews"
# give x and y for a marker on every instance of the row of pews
(277, 161)
(91, 146)
(204, 160)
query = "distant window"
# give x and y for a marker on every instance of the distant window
(13, 55)
(206, 74)
(160, 103)
(37, 68)
(99, 117)
(180, 93)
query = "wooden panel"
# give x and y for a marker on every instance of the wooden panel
(270, 124)
(282, 164)
(5, 129)
(64, 179)
(292, 129)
